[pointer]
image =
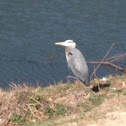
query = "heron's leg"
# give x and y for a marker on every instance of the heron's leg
(76, 82)
(72, 77)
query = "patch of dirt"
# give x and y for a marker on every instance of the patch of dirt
(111, 113)
(117, 118)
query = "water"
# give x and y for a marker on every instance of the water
(29, 29)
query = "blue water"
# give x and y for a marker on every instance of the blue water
(29, 29)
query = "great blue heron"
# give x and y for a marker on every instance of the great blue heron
(76, 61)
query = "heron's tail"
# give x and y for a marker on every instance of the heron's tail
(87, 82)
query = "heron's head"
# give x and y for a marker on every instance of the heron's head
(69, 43)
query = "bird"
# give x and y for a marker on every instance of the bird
(76, 61)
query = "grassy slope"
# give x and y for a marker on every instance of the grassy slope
(63, 104)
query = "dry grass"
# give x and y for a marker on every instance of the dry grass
(21, 104)
(13, 101)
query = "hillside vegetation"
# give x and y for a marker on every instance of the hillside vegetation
(69, 104)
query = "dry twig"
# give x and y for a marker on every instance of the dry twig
(116, 57)
(110, 64)
(101, 61)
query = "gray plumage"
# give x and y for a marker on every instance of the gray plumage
(78, 65)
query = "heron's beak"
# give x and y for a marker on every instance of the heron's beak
(59, 43)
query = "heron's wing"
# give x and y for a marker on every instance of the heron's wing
(78, 65)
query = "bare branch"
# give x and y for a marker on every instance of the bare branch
(102, 61)
(116, 57)
(111, 65)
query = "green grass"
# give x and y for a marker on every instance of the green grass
(58, 110)
(96, 100)
(17, 118)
